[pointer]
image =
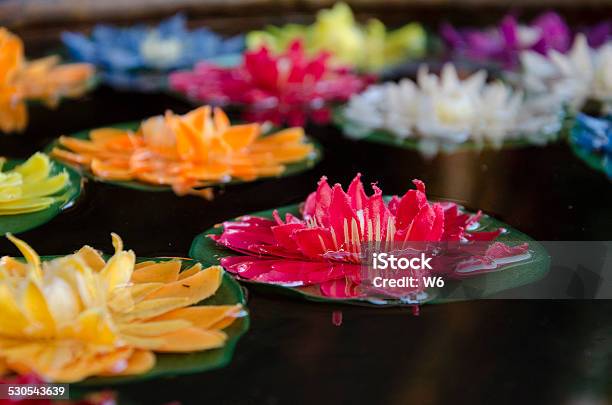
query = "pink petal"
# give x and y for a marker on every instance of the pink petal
(408, 207)
(302, 273)
(437, 229)
(314, 242)
(357, 193)
(421, 225)
(246, 266)
(284, 235)
(377, 212)
(341, 212)
(317, 203)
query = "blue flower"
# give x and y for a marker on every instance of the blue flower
(594, 135)
(167, 47)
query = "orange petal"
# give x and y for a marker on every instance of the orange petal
(109, 172)
(221, 120)
(71, 157)
(240, 136)
(197, 118)
(288, 135)
(105, 134)
(78, 145)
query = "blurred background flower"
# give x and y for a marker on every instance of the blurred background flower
(444, 111)
(504, 43)
(581, 75)
(44, 80)
(369, 47)
(290, 87)
(593, 136)
(127, 56)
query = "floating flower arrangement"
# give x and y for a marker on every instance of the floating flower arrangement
(444, 112)
(140, 56)
(290, 87)
(69, 318)
(581, 75)
(188, 153)
(591, 140)
(369, 47)
(44, 80)
(30, 187)
(34, 191)
(504, 43)
(315, 249)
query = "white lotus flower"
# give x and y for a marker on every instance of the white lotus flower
(573, 78)
(444, 110)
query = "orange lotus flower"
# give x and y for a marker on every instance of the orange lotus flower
(186, 152)
(79, 316)
(43, 80)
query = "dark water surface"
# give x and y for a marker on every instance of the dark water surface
(515, 352)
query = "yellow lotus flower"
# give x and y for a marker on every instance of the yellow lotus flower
(79, 316)
(370, 47)
(42, 79)
(29, 187)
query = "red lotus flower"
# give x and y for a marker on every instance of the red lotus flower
(323, 246)
(286, 87)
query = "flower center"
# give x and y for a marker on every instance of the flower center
(454, 109)
(159, 52)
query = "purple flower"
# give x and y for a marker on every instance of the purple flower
(503, 44)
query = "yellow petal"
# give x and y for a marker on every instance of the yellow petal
(140, 265)
(143, 342)
(154, 329)
(36, 309)
(13, 267)
(48, 186)
(139, 362)
(162, 272)
(37, 203)
(204, 316)
(150, 308)
(12, 320)
(194, 288)
(30, 255)
(140, 291)
(91, 257)
(36, 168)
(196, 268)
(93, 326)
(192, 339)
(119, 268)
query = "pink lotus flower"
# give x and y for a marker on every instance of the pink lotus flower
(323, 246)
(290, 87)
